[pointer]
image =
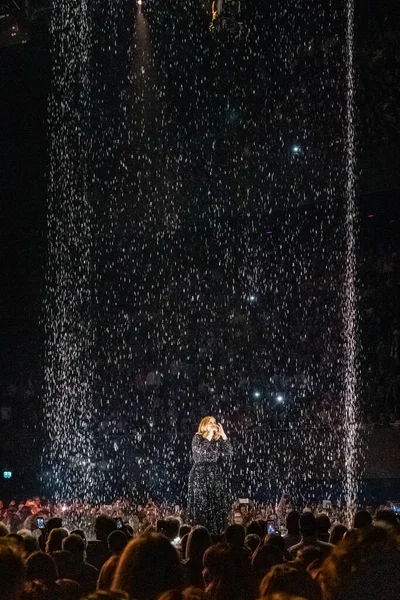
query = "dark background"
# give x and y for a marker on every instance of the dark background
(25, 73)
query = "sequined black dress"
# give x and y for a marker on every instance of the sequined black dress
(209, 496)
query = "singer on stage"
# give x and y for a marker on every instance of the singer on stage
(209, 497)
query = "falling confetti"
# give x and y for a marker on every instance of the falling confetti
(351, 407)
(201, 246)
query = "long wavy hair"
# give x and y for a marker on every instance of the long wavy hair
(204, 426)
(221, 576)
(198, 542)
(148, 567)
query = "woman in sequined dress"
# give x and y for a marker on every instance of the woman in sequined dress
(208, 500)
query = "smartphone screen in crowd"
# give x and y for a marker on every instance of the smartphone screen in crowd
(271, 528)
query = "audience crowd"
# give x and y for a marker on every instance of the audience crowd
(275, 552)
(78, 514)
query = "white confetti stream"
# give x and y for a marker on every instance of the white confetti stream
(351, 400)
(69, 310)
(195, 233)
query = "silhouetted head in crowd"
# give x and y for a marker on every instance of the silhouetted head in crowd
(102, 595)
(76, 546)
(362, 519)
(29, 545)
(81, 533)
(24, 532)
(40, 590)
(71, 589)
(235, 535)
(307, 525)
(148, 566)
(3, 529)
(190, 593)
(288, 580)
(161, 526)
(387, 516)
(172, 527)
(198, 542)
(184, 529)
(54, 523)
(15, 537)
(275, 539)
(255, 527)
(218, 538)
(337, 534)
(351, 534)
(12, 570)
(169, 527)
(41, 567)
(323, 526)
(103, 527)
(55, 539)
(117, 540)
(308, 555)
(292, 522)
(263, 524)
(65, 563)
(220, 575)
(252, 542)
(364, 565)
(264, 558)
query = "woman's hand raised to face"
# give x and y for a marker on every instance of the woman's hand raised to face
(209, 434)
(221, 431)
